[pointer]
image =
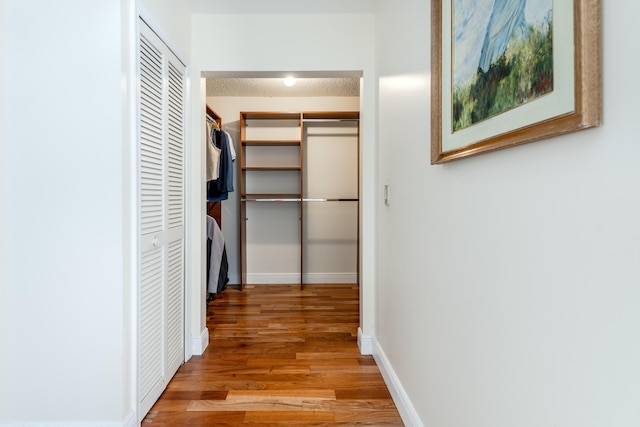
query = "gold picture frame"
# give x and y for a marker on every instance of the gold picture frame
(577, 106)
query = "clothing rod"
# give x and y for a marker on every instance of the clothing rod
(213, 122)
(330, 120)
(297, 200)
(330, 200)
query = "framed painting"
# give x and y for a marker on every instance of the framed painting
(509, 72)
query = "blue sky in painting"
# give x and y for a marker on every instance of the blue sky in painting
(470, 20)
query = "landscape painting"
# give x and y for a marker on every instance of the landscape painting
(510, 72)
(502, 56)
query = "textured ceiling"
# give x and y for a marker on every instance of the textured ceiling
(337, 86)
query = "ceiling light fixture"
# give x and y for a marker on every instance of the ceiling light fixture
(289, 81)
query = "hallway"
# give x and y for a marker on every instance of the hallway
(279, 356)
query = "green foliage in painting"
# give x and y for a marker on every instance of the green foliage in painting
(523, 73)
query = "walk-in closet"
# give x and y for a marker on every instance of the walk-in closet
(293, 214)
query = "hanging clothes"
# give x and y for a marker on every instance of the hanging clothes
(217, 263)
(220, 188)
(213, 157)
(231, 147)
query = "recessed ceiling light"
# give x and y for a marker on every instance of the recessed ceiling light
(289, 81)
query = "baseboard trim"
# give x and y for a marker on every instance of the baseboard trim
(130, 421)
(400, 397)
(365, 343)
(294, 278)
(66, 424)
(200, 343)
(272, 279)
(319, 278)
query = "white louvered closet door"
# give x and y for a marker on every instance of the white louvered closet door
(161, 221)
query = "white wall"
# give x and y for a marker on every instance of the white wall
(293, 42)
(229, 109)
(64, 212)
(509, 283)
(68, 208)
(170, 19)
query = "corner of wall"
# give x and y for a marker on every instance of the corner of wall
(365, 343)
(199, 343)
(130, 420)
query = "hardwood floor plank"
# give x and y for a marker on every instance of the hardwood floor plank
(253, 403)
(326, 355)
(365, 394)
(194, 395)
(371, 417)
(279, 356)
(316, 394)
(212, 385)
(348, 369)
(295, 417)
(186, 418)
(273, 363)
(356, 405)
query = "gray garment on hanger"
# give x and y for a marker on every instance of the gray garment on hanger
(217, 248)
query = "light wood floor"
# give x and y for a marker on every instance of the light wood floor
(279, 356)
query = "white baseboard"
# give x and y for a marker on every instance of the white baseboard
(400, 398)
(66, 424)
(316, 278)
(130, 421)
(293, 278)
(200, 343)
(272, 279)
(365, 343)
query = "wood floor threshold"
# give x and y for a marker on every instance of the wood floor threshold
(279, 356)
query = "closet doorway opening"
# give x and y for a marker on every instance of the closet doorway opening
(294, 214)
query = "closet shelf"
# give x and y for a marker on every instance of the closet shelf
(271, 195)
(271, 168)
(270, 115)
(272, 143)
(331, 115)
